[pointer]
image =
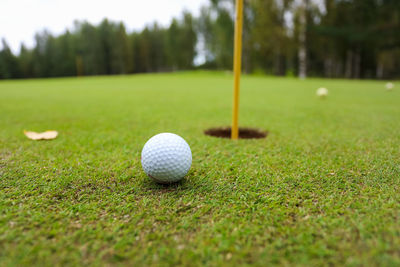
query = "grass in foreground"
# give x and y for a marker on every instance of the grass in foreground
(322, 189)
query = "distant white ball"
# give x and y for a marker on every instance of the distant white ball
(389, 86)
(322, 92)
(166, 158)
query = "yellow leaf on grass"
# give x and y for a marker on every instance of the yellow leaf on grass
(47, 135)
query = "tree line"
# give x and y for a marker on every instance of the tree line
(330, 38)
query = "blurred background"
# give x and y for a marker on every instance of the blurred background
(321, 38)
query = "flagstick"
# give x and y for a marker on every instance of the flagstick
(237, 64)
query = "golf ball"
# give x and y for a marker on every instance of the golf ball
(322, 92)
(166, 158)
(389, 86)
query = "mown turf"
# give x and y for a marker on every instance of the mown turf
(322, 189)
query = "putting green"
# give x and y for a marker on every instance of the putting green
(321, 189)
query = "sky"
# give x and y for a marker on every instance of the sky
(21, 19)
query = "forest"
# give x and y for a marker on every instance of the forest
(354, 39)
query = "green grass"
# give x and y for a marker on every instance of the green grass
(322, 189)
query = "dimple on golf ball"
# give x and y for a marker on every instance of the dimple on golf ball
(166, 158)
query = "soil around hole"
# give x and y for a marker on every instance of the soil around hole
(244, 133)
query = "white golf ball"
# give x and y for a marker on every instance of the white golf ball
(322, 92)
(389, 86)
(166, 158)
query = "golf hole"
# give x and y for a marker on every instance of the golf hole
(244, 133)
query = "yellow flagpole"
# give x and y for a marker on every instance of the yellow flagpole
(237, 66)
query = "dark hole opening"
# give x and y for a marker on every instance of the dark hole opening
(244, 133)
